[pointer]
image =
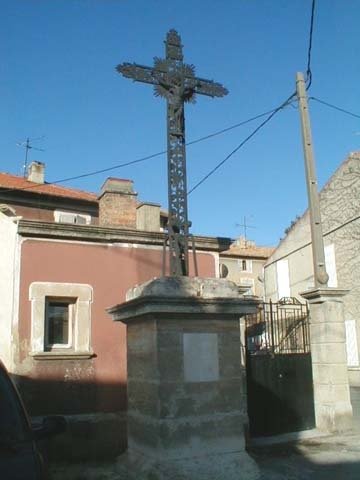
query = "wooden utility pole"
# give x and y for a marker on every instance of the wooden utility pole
(320, 275)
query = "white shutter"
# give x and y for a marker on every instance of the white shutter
(283, 280)
(351, 344)
(72, 217)
(81, 220)
(331, 265)
(67, 218)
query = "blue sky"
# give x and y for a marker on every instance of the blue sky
(58, 79)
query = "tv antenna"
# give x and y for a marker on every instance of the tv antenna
(245, 226)
(27, 145)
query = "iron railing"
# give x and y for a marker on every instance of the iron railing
(278, 328)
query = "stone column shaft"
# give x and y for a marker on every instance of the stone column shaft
(333, 410)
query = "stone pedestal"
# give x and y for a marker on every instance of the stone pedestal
(333, 411)
(186, 384)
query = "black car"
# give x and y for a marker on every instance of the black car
(20, 458)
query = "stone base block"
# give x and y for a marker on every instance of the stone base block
(334, 418)
(227, 466)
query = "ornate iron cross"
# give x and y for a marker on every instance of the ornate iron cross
(176, 82)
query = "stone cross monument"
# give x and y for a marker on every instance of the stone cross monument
(175, 81)
(186, 374)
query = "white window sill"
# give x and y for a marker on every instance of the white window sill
(58, 355)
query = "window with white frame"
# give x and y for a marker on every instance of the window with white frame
(72, 217)
(60, 319)
(245, 265)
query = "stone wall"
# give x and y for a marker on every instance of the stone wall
(340, 207)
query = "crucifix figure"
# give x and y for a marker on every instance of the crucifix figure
(175, 81)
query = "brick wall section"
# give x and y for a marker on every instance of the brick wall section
(117, 204)
(118, 210)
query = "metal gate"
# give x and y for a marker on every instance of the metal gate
(279, 372)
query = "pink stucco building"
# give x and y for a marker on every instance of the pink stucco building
(65, 256)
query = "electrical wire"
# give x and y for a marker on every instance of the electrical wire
(286, 103)
(283, 105)
(143, 159)
(270, 114)
(232, 127)
(308, 68)
(252, 134)
(334, 107)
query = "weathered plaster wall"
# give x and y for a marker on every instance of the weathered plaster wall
(99, 383)
(341, 216)
(296, 248)
(340, 207)
(8, 283)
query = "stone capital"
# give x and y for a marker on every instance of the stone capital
(174, 297)
(324, 294)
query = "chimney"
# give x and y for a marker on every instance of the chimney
(117, 204)
(36, 172)
(148, 217)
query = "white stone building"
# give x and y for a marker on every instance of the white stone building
(289, 270)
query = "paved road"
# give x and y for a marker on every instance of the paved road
(329, 458)
(324, 458)
(321, 458)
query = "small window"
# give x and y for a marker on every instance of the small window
(59, 316)
(245, 265)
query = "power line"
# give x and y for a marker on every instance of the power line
(232, 127)
(343, 110)
(96, 172)
(308, 68)
(148, 157)
(252, 134)
(283, 105)
(271, 114)
(89, 174)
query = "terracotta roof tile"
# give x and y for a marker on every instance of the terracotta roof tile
(13, 182)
